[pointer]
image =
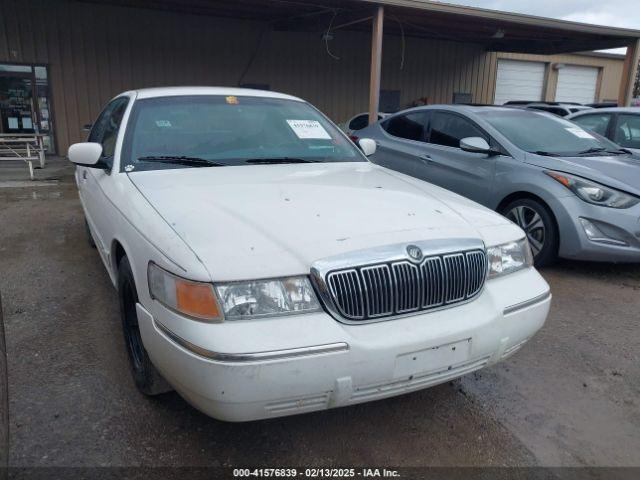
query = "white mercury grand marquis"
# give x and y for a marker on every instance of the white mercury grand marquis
(265, 267)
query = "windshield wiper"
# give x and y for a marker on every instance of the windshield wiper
(182, 160)
(545, 154)
(275, 161)
(619, 151)
(593, 150)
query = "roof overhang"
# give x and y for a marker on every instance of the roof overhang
(493, 30)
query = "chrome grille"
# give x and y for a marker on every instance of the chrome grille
(433, 278)
(347, 293)
(455, 277)
(377, 290)
(396, 288)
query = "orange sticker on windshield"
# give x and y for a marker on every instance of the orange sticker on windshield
(231, 100)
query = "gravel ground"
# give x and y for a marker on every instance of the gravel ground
(569, 397)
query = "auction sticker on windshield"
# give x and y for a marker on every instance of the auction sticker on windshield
(309, 129)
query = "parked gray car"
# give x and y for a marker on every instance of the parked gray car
(574, 193)
(620, 125)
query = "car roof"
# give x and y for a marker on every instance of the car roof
(227, 91)
(562, 105)
(465, 108)
(382, 114)
(635, 110)
(472, 109)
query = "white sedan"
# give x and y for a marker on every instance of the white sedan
(265, 267)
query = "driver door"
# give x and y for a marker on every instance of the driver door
(91, 180)
(468, 174)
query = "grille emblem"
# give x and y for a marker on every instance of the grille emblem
(415, 253)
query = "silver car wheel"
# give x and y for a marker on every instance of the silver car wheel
(531, 222)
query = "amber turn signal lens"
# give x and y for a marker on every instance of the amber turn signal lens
(560, 178)
(196, 299)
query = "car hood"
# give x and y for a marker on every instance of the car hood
(273, 220)
(618, 171)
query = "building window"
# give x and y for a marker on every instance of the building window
(462, 98)
(389, 101)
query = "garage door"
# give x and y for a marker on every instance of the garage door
(577, 84)
(517, 80)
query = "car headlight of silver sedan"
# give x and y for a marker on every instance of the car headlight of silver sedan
(592, 192)
(509, 258)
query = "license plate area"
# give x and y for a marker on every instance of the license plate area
(433, 359)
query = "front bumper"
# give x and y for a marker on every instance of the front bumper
(620, 226)
(250, 370)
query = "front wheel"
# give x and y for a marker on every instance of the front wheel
(538, 223)
(145, 375)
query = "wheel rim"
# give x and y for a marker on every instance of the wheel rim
(131, 329)
(531, 222)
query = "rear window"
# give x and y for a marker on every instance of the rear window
(359, 122)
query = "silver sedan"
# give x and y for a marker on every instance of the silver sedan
(575, 193)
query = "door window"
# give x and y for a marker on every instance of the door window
(448, 129)
(412, 126)
(105, 131)
(596, 122)
(627, 131)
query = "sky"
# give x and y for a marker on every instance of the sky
(614, 13)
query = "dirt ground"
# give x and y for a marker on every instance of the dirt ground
(568, 398)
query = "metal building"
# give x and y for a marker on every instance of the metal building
(61, 60)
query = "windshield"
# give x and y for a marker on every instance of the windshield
(212, 130)
(541, 133)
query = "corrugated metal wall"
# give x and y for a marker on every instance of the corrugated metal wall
(610, 71)
(94, 52)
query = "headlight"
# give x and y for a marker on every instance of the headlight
(509, 257)
(263, 298)
(593, 192)
(195, 299)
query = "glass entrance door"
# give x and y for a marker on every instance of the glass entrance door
(25, 102)
(17, 112)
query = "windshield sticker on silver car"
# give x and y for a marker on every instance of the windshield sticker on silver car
(129, 168)
(309, 129)
(163, 123)
(578, 132)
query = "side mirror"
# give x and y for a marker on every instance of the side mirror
(475, 145)
(86, 154)
(368, 146)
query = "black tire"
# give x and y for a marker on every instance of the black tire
(145, 375)
(90, 239)
(538, 222)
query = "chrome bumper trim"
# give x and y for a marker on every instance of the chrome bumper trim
(528, 303)
(253, 356)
